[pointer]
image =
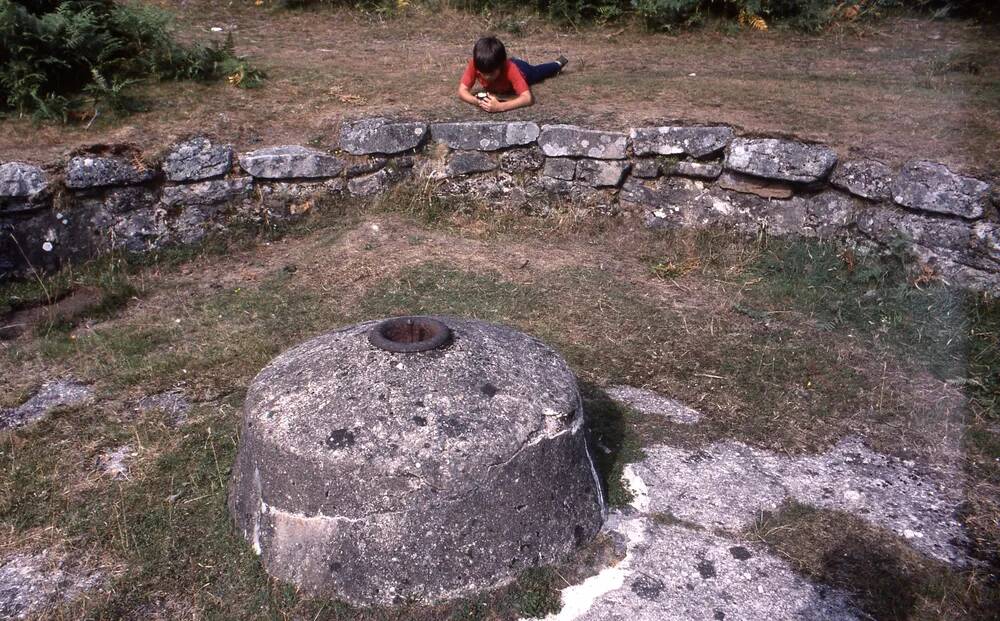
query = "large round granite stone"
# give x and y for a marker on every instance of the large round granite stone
(379, 477)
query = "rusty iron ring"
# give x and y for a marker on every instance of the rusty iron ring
(409, 335)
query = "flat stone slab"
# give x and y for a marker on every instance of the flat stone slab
(602, 173)
(696, 141)
(291, 162)
(758, 187)
(697, 170)
(653, 403)
(32, 583)
(206, 193)
(728, 484)
(673, 572)
(196, 159)
(381, 135)
(866, 178)
(373, 184)
(469, 162)
(572, 141)
(647, 168)
(560, 168)
(57, 394)
(20, 180)
(784, 160)
(928, 186)
(86, 171)
(484, 135)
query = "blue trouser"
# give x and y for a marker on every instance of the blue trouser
(533, 74)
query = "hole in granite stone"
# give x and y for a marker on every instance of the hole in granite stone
(407, 335)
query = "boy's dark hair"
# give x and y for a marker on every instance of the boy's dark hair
(489, 54)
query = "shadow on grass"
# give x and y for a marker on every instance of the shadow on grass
(888, 579)
(612, 440)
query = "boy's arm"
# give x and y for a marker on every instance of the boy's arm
(492, 104)
(466, 95)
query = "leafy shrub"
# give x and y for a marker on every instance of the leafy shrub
(58, 56)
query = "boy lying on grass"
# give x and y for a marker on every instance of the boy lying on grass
(499, 75)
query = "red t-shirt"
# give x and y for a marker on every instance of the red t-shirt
(509, 79)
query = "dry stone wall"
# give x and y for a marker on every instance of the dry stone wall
(671, 176)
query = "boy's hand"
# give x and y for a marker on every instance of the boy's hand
(490, 104)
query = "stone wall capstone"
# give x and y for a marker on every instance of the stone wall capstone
(21, 181)
(197, 159)
(485, 136)
(697, 142)
(665, 177)
(784, 160)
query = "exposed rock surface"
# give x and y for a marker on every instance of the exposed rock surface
(380, 135)
(784, 160)
(467, 162)
(694, 141)
(278, 196)
(755, 186)
(291, 162)
(869, 179)
(932, 187)
(31, 583)
(572, 141)
(560, 168)
(677, 573)
(214, 192)
(120, 200)
(88, 171)
(967, 252)
(601, 173)
(197, 159)
(57, 394)
(485, 135)
(727, 484)
(140, 230)
(20, 180)
(653, 403)
(373, 476)
(376, 183)
(699, 170)
(646, 169)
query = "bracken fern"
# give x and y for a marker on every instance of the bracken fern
(60, 59)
